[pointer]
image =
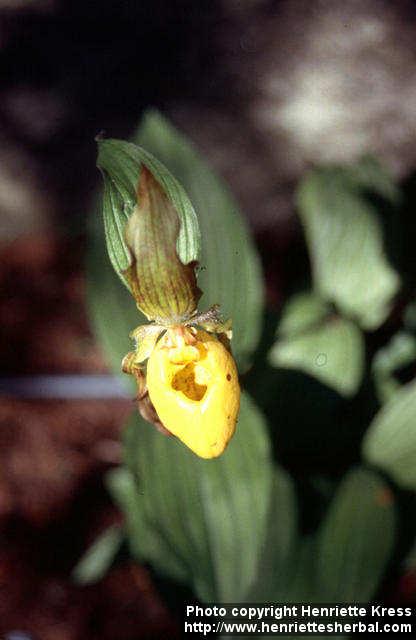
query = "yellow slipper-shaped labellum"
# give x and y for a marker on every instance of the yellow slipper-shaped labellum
(195, 391)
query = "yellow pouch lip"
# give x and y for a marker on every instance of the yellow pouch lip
(213, 382)
(189, 419)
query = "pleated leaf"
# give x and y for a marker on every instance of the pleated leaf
(356, 539)
(345, 240)
(278, 551)
(144, 540)
(230, 272)
(390, 442)
(203, 522)
(210, 516)
(111, 308)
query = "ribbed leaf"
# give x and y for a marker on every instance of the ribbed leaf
(281, 542)
(345, 240)
(210, 515)
(230, 270)
(332, 352)
(390, 442)
(145, 541)
(356, 539)
(199, 521)
(111, 308)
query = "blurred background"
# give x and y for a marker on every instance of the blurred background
(265, 89)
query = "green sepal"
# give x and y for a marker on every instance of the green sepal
(120, 164)
(164, 288)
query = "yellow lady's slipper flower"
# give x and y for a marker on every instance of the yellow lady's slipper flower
(193, 384)
(187, 381)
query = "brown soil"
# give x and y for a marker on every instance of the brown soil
(53, 458)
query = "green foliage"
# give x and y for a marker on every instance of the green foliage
(390, 442)
(344, 560)
(281, 542)
(209, 516)
(228, 498)
(302, 312)
(344, 234)
(325, 346)
(99, 557)
(145, 542)
(351, 554)
(120, 164)
(240, 528)
(230, 268)
(398, 353)
(230, 263)
(112, 310)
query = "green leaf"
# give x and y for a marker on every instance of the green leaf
(278, 551)
(390, 442)
(229, 260)
(120, 164)
(145, 541)
(345, 240)
(302, 312)
(356, 539)
(332, 352)
(99, 557)
(370, 176)
(199, 521)
(301, 583)
(210, 515)
(399, 352)
(111, 308)
(230, 268)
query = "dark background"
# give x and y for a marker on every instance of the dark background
(265, 89)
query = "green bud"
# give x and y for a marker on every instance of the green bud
(152, 232)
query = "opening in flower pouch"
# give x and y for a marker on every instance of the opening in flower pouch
(193, 385)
